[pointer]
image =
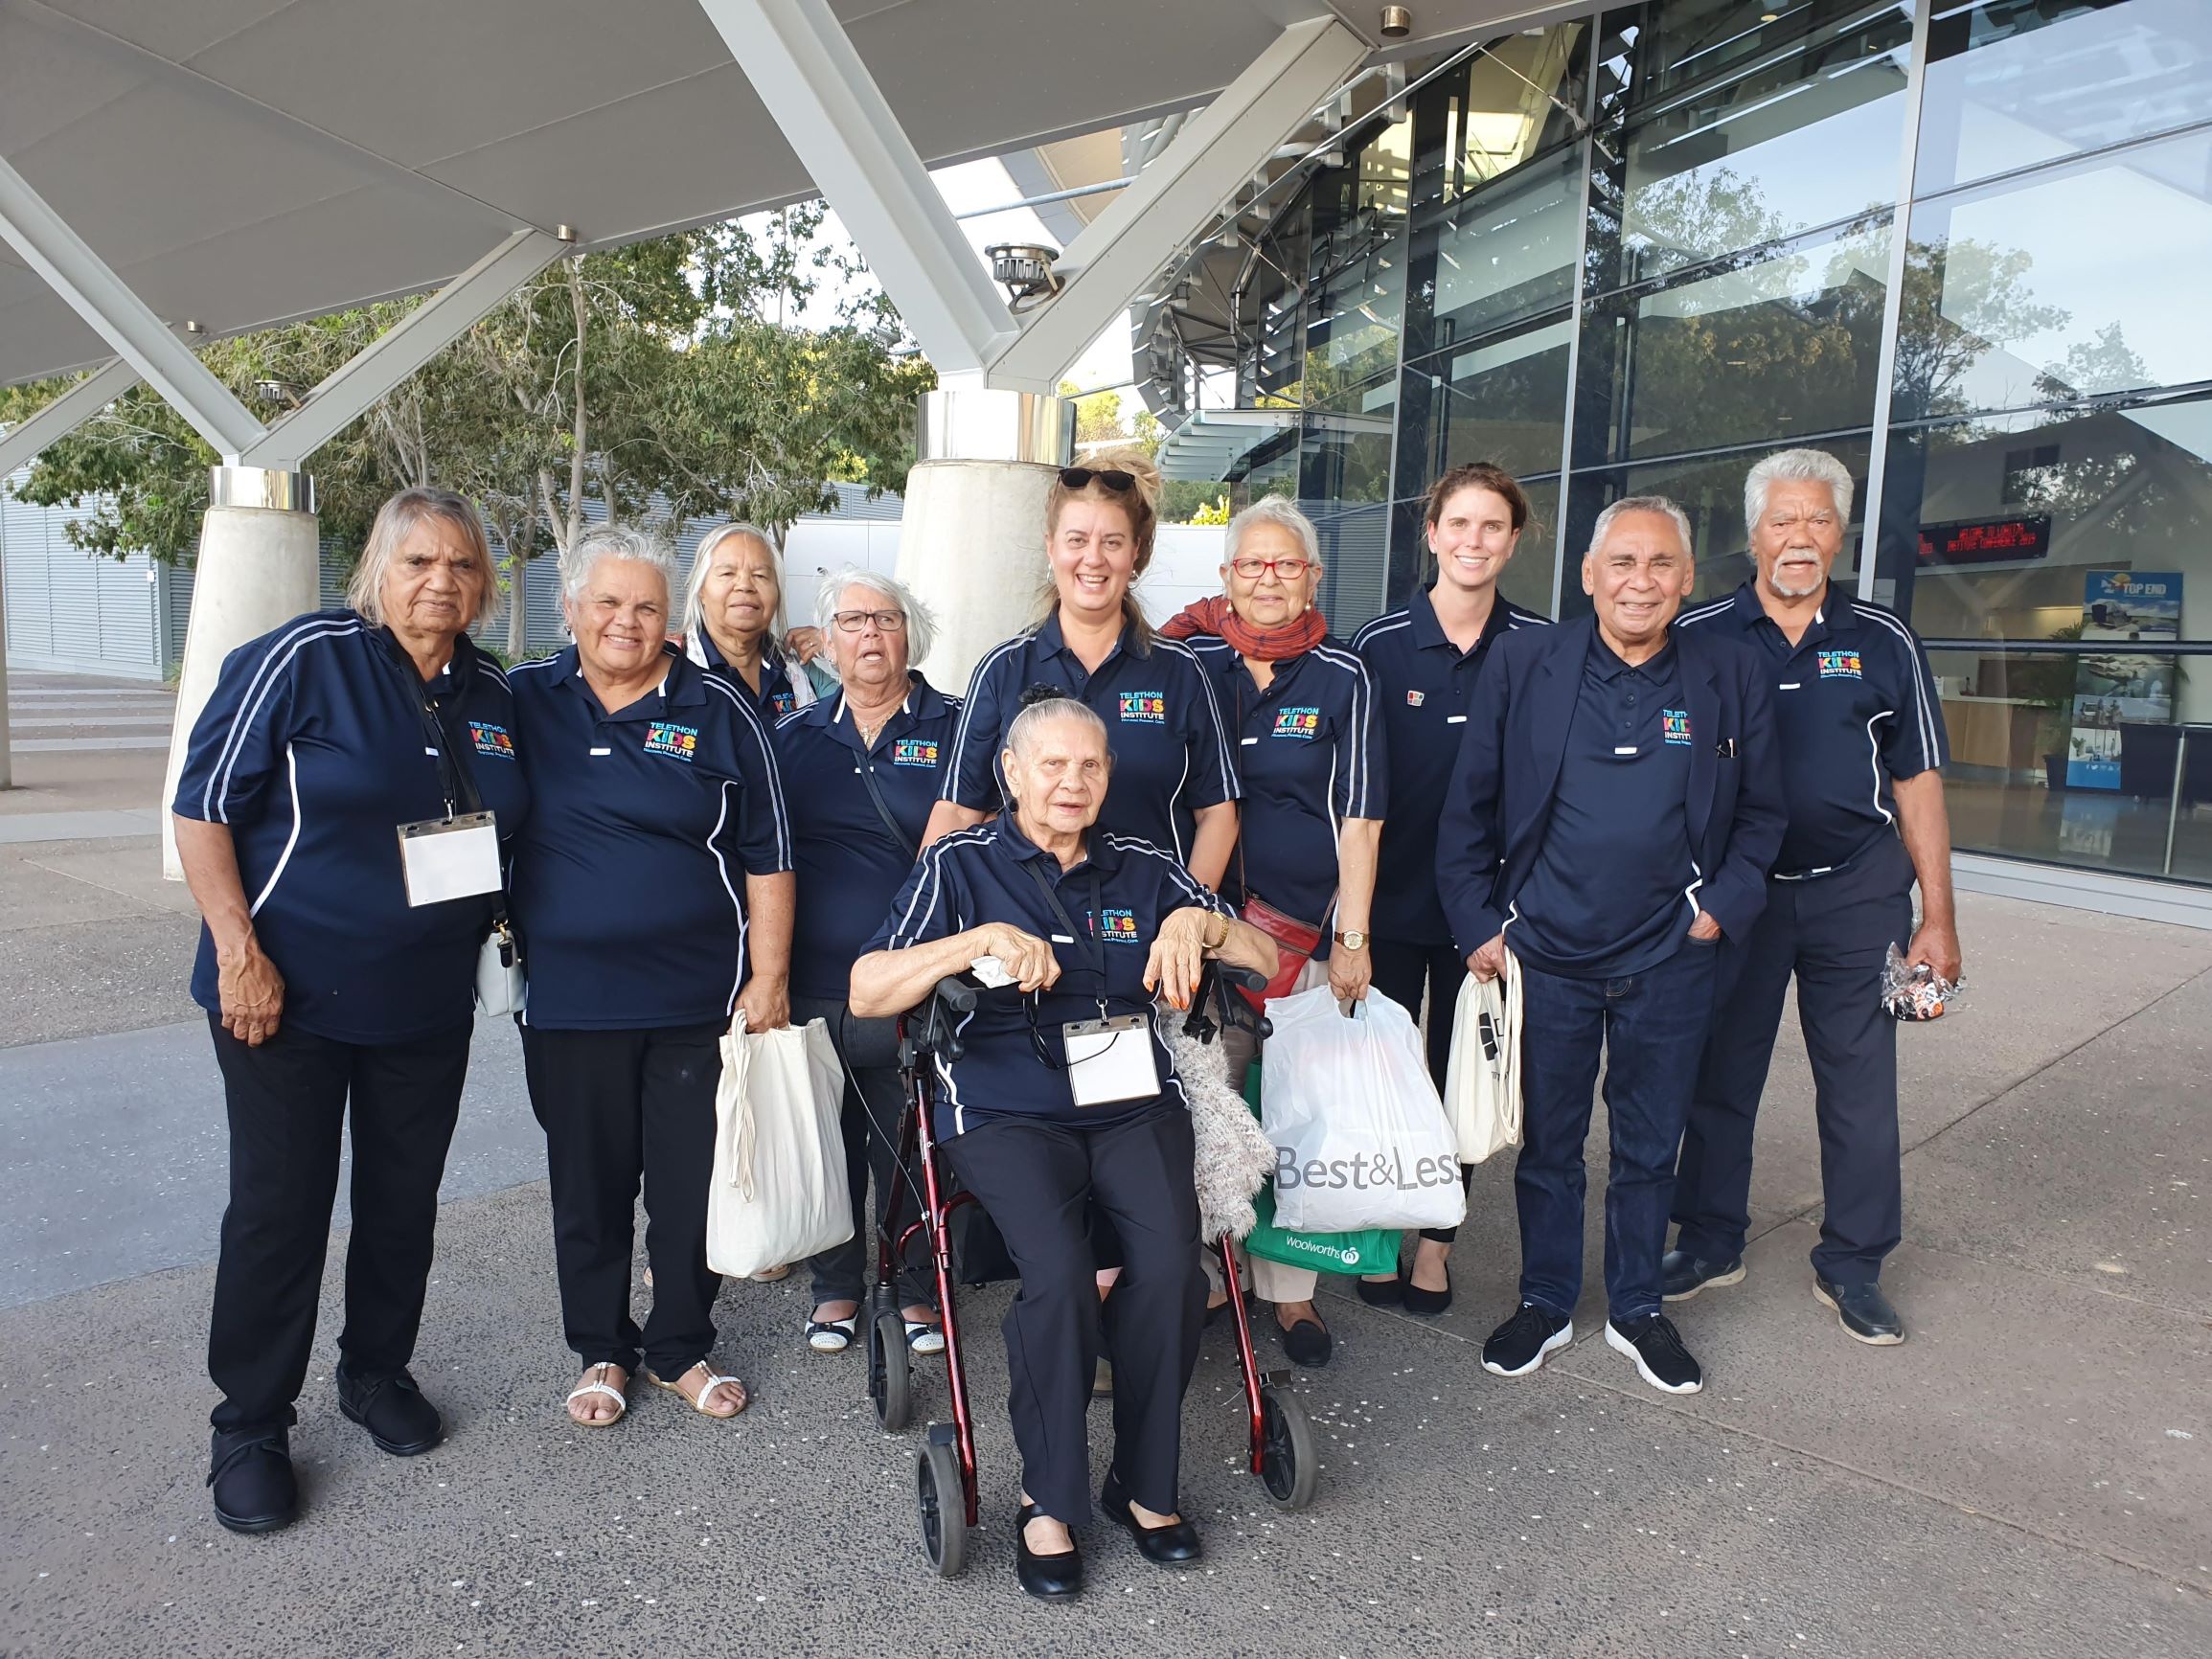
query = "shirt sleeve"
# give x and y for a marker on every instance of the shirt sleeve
(971, 777)
(1213, 767)
(924, 909)
(1913, 739)
(1363, 761)
(239, 744)
(764, 828)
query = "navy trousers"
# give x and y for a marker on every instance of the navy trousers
(1649, 1027)
(1833, 933)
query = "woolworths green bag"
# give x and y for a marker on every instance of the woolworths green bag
(1374, 1251)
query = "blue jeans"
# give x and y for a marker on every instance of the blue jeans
(1650, 1027)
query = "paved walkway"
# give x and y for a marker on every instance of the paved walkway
(2030, 1475)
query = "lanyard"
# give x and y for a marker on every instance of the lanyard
(454, 776)
(1097, 937)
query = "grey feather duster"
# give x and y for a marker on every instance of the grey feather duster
(1234, 1156)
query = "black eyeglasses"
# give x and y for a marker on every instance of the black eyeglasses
(1113, 478)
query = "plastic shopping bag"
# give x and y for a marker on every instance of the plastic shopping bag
(1371, 1250)
(1482, 1084)
(1360, 1136)
(777, 1192)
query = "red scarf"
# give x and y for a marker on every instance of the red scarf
(1217, 617)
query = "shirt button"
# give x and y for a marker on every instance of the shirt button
(1631, 700)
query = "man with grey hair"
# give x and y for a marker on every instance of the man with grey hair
(1615, 804)
(1854, 702)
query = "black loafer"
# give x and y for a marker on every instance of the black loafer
(1862, 1311)
(1682, 1275)
(1174, 1545)
(1380, 1292)
(1307, 1343)
(250, 1475)
(1054, 1578)
(394, 1412)
(1428, 1304)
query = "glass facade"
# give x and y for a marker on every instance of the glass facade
(1958, 243)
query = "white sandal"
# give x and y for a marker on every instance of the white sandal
(599, 1385)
(698, 1402)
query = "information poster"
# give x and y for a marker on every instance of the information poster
(2123, 687)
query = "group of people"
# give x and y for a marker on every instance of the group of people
(1654, 817)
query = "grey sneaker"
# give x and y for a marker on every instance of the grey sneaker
(1862, 1311)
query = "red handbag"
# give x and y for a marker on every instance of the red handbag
(1295, 942)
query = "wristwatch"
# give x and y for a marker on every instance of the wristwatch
(1354, 940)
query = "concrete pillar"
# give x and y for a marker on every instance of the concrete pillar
(971, 535)
(257, 568)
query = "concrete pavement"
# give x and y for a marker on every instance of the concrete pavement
(2031, 1474)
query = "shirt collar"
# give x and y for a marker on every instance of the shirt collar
(1098, 854)
(924, 701)
(1607, 664)
(1834, 615)
(1049, 634)
(1427, 632)
(681, 685)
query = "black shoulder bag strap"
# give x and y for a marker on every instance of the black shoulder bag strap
(898, 836)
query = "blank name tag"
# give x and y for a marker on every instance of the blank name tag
(450, 859)
(1110, 1060)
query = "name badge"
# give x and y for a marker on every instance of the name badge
(450, 857)
(1109, 1061)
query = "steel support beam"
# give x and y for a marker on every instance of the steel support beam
(402, 349)
(833, 114)
(120, 318)
(27, 439)
(1178, 193)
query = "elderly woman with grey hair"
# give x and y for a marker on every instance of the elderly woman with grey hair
(873, 757)
(657, 795)
(733, 621)
(336, 978)
(1309, 757)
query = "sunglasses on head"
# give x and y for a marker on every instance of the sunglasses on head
(1114, 479)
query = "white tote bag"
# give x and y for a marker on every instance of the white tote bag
(1482, 1084)
(777, 1193)
(1360, 1137)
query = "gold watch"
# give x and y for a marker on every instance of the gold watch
(1352, 940)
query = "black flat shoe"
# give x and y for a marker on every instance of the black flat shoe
(250, 1475)
(1307, 1343)
(1428, 1304)
(1053, 1577)
(1175, 1545)
(394, 1412)
(1380, 1292)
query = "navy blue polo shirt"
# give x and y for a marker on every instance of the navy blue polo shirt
(1310, 755)
(629, 880)
(978, 875)
(1171, 750)
(849, 866)
(776, 697)
(1610, 892)
(1854, 707)
(313, 749)
(1424, 687)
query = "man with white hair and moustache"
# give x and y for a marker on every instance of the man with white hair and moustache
(1863, 747)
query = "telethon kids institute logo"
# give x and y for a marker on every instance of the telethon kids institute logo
(1840, 665)
(1303, 723)
(914, 752)
(1121, 928)
(492, 740)
(1675, 726)
(665, 738)
(1144, 708)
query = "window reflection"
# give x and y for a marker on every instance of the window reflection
(1500, 256)
(1501, 401)
(2014, 82)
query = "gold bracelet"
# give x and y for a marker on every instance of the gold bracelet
(1216, 943)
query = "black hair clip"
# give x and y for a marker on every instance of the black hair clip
(1040, 692)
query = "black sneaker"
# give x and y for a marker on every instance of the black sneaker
(1657, 1347)
(394, 1412)
(1862, 1311)
(1523, 1341)
(1682, 1275)
(250, 1475)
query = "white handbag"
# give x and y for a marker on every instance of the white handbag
(499, 981)
(1482, 1084)
(777, 1192)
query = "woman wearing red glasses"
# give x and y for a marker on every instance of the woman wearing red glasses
(1310, 756)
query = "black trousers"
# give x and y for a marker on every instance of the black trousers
(872, 1110)
(1833, 933)
(1037, 1178)
(619, 1106)
(288, 1102)
(1402, 974)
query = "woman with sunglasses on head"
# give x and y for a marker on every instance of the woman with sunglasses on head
(1174, 778)
(1065, 1095)
(1311, 757)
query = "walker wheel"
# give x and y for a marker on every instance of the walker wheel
(1290, 1464)
(942, 1501)
(890, 1370)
